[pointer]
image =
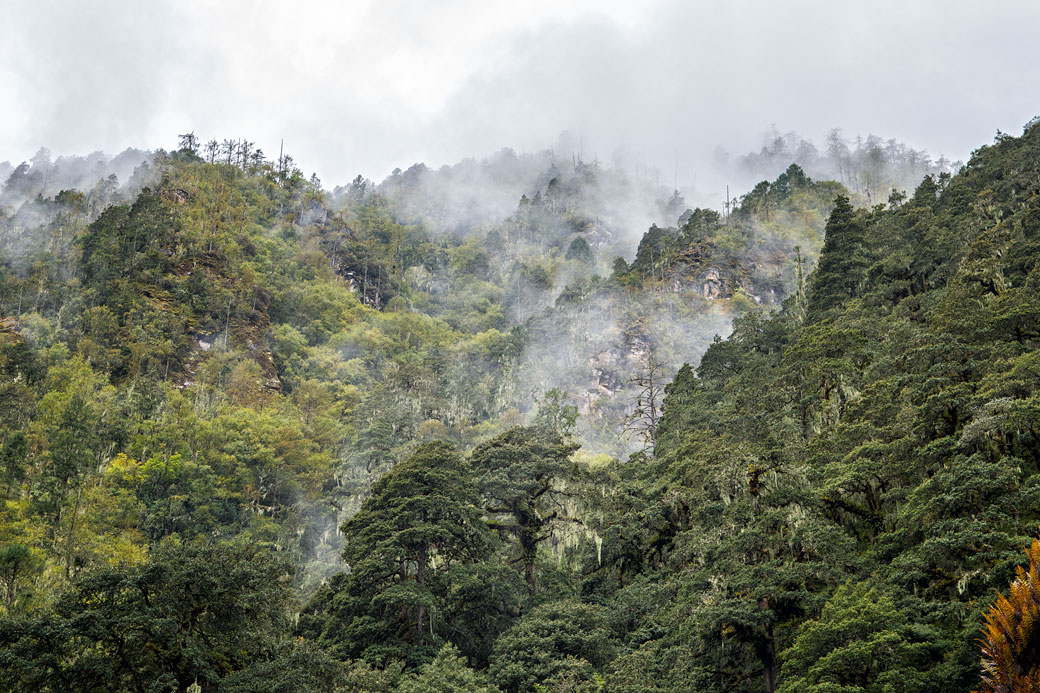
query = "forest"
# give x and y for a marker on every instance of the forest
(462, 430)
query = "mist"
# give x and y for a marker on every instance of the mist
(370, 87)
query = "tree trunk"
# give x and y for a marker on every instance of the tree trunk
(420, 579)
(70, 537)
(766, 651)
(529, 549)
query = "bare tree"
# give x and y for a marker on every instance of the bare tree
(190, 142)
(227, 150)
(245, 148)
(643, 419)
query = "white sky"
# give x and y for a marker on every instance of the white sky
(363, 87)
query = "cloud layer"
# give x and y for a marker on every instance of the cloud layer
(367, 86)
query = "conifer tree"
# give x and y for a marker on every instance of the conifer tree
(422, 518)
(843, 262)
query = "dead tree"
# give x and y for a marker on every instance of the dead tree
(642, 421)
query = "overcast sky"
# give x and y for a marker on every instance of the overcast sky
(363, 87)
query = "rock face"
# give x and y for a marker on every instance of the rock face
(314, 214)
(712, 284)
(604, 368)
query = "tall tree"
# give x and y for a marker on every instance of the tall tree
(523, 473)
(421, 522)
(843, 262)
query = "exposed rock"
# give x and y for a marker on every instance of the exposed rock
(712, 284)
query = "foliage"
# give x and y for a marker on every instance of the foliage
(413, 538)
(445, 673)
(205, 372)
(547, 641)
(192, 613)
(1011, 636)
(524, 474)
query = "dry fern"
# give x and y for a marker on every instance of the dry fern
(1010, 639)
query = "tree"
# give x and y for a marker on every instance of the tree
(1010, 640)
(446, 673)
(656, 249)
(861, 642)
(13, 459)
(555, 414)
(422, 521)
(15, 561)
(191, 614)
(71, 456)
(580, 250)
(646, 413)
(189, 142)
(296, 667)
(843, 262)
(838, 153)
(619, 268)
(549, 639)
(522, 476)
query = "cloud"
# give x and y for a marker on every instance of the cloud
(368, 86)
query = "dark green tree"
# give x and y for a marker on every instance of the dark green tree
(14, 460)
(550, 639)
(16, 564)
(580, 250)
(843, 262)
(422, 524)
(191, 614)
(861, 642)
(522, 475)
(446, 673)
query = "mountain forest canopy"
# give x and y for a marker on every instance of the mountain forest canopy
(458, 430)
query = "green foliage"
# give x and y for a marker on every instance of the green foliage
(235, 358)
(580, 250)
(192, 613)
(860, 642)
(445, 673)
(555, 415)
(843, 262)
(523, 474)
(415, 537)
(297, 666)
(17, 563)
(556, 639)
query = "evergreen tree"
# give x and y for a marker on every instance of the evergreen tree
(422, 522)
(843, 262)
(580, 250)
(522, 475)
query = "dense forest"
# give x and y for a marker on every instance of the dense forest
(461, 430)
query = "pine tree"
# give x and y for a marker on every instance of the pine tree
(843, 262)
(422, 520)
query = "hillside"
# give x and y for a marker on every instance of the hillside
(258, 435)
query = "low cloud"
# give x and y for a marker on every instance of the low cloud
(374, 86)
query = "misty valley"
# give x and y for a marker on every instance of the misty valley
(529, 422)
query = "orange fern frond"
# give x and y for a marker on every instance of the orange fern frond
(1010, 641)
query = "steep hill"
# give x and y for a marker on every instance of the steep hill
(841, 488)
(207, 372)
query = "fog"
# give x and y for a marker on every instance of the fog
(366, 87)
